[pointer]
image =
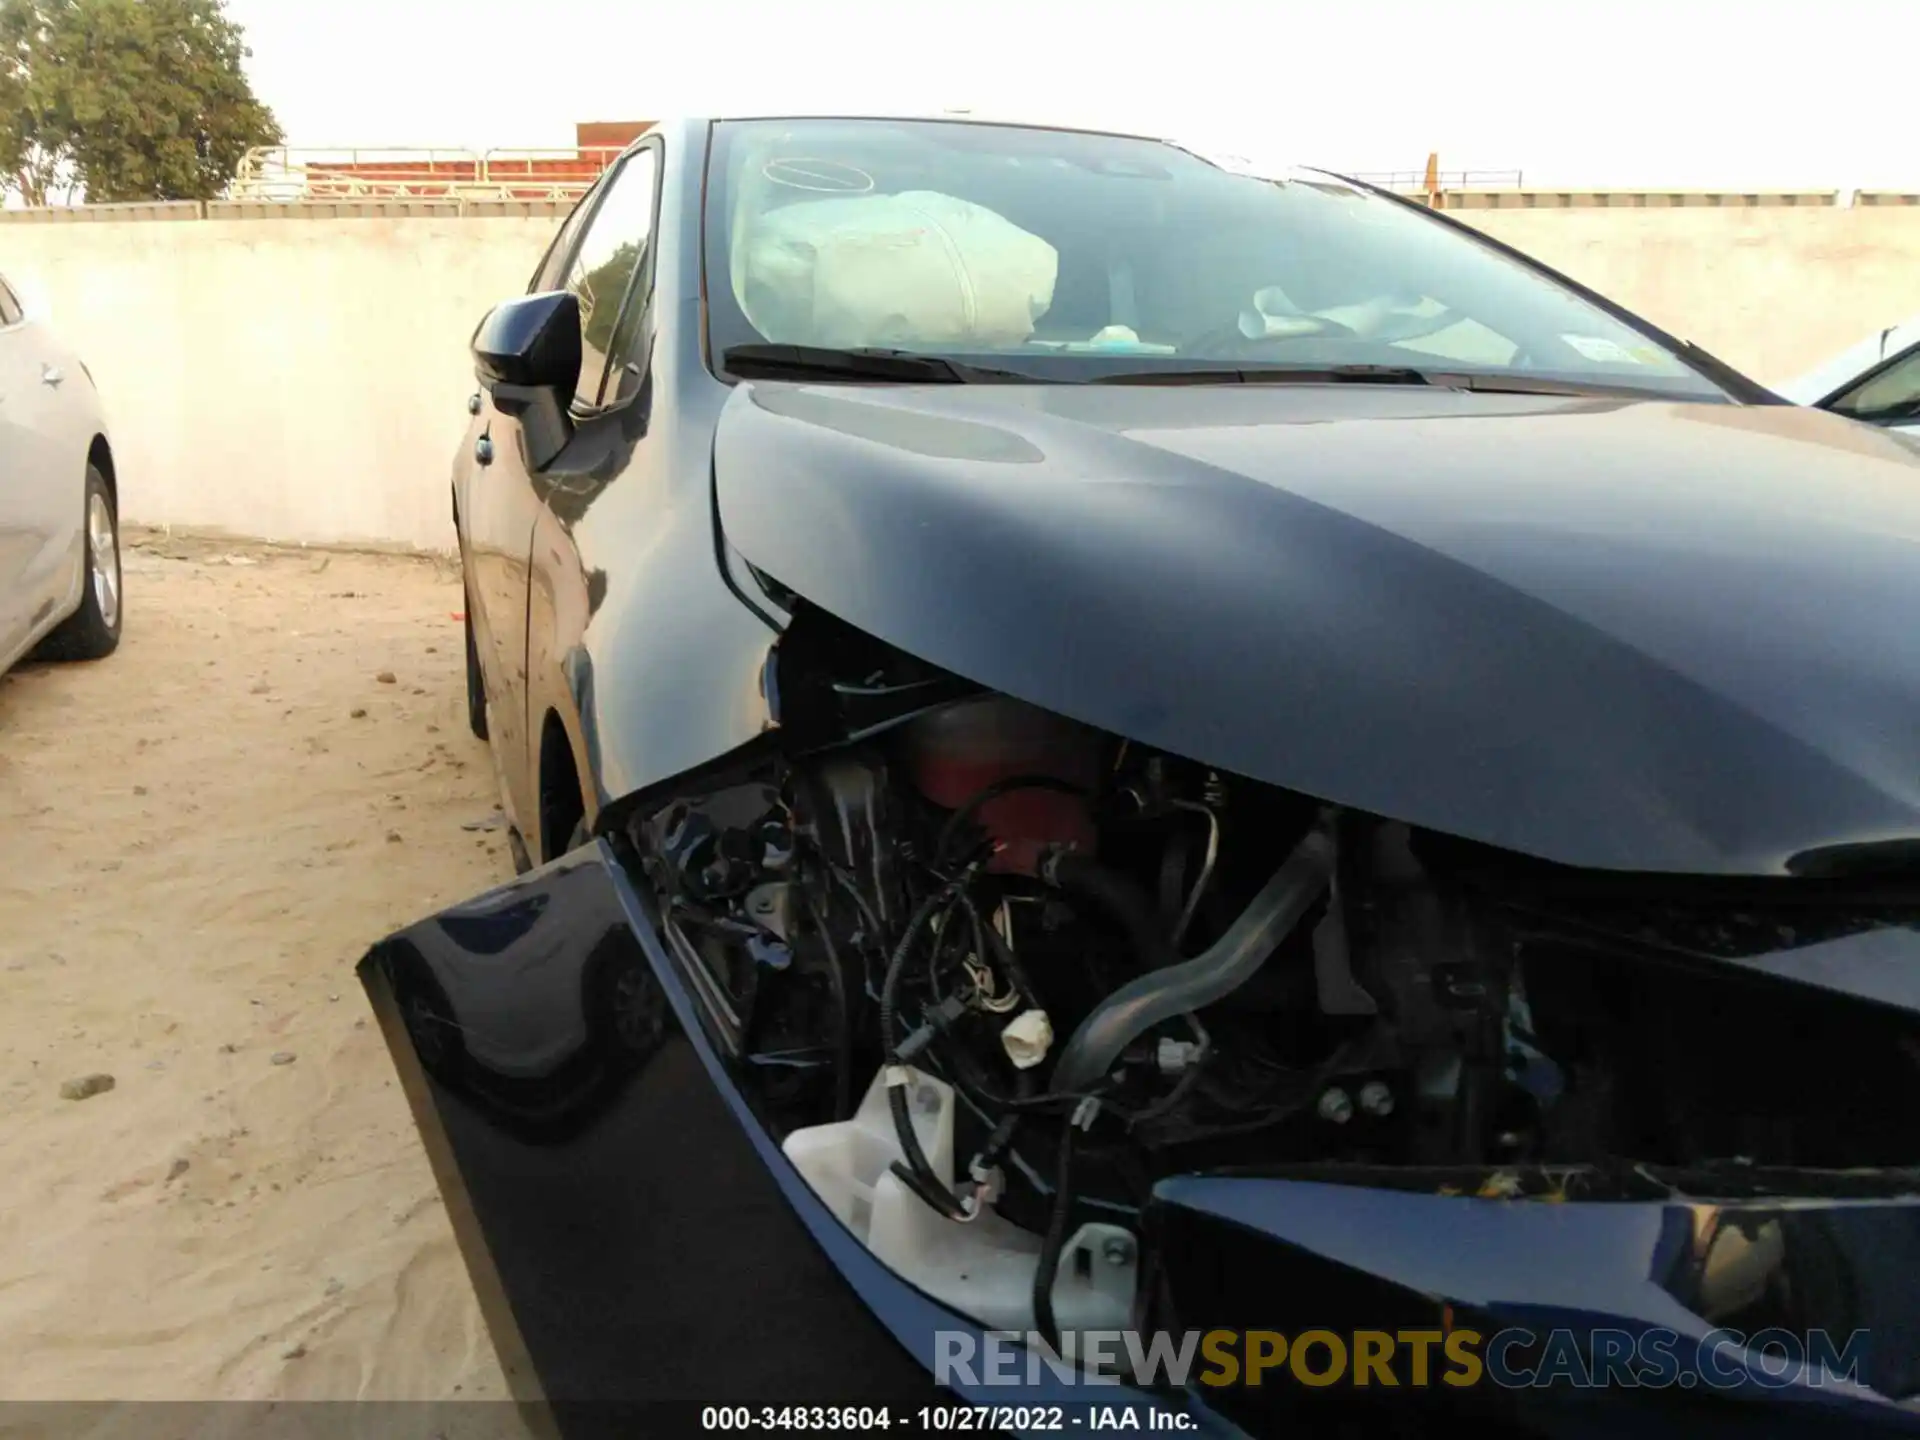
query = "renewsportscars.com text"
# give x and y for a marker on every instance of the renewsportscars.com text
(1514, 1358)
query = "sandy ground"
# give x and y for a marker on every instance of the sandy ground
(198, 839)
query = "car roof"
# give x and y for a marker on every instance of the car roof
(947, 116)
(1228, 156)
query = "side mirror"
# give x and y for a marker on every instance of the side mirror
(526, 354)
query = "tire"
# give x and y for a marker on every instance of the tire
(476, 683)
(93, 631)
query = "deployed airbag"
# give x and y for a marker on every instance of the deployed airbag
(909, 270)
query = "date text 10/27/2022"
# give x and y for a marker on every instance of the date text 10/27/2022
(1511, 1358)
(946, 1419)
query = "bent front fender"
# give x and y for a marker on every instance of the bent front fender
(634, 1233)
(625, 1235)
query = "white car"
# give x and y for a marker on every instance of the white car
(1876, 381)
(59, 509)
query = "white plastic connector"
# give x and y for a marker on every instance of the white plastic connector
(1176, 1055)
(988, 1182)
(1027, 1038)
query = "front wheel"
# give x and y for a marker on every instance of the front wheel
(93, 631)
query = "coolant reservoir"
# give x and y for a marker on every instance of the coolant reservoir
(983, 1267)
(846, 1161)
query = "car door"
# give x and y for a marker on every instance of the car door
(489, 508)
(594, 258)
(608, 435)
(495, 505)
(35, 492)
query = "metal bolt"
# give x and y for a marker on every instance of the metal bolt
(1117, 1250)
(1336, 1105)
(1376, 1099)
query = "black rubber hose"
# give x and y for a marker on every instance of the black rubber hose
(897, 963)
(919, 1172)
(1054, 1244)
(1186, 986)
(988, 942)
(916, 1158)
(936, 1195)
(937, 953)
(1120, 898)
(843, 1002)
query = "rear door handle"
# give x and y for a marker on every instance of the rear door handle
(51, 375)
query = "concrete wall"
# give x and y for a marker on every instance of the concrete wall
(303, 376)
(294, 379)
(1772, 291)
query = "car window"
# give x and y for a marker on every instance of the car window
(1837, 374)
(625, 365)
(1080, 253)
(10, 309)
(553, 265)
(1889, 397)
(610, 252)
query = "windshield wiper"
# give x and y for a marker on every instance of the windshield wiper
(1271, 375)
(822, 362)
(1532, 385)
(1372, 375)
(908, 367)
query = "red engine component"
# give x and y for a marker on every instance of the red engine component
(956, 753)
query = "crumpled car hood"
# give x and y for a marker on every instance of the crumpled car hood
(1633, 635)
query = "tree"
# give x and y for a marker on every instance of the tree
(33, 156)
(601, 291)
(130, 99)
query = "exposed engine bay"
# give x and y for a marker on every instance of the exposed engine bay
(992, 974)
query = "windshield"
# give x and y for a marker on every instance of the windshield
(1067, 256)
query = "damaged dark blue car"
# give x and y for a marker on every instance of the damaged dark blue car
(1145, 785)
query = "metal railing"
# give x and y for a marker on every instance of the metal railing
(278, 173)
(283, 173)
(1414, 182)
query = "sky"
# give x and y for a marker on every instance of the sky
(1696, 94)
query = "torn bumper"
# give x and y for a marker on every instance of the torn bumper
(634, 1234)
(637, 1238)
